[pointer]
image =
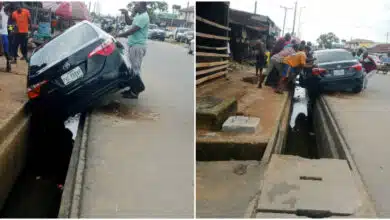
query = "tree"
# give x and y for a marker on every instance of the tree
(326, 40)
(153, 7)
(343, 41)
(175, 8)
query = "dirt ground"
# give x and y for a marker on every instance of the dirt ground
(225, 188)
(12, 89)
(262, 103)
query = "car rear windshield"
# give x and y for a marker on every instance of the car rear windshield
(333, 56)
(63, 45)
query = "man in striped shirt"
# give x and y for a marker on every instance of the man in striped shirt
(277, 59)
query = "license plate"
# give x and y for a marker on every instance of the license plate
(72, 75)
(338, 72)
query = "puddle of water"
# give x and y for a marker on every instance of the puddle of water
(300, 104)
(72, 123)
(250, 79)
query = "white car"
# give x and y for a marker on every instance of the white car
(191, 47)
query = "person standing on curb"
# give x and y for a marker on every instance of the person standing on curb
(4, 36)
(22, 18)
(261, 60)
(137, 37)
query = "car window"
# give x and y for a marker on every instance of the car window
(333, 56)
(63, 45)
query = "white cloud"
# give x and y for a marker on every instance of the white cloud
(346, 18)
(112, 6)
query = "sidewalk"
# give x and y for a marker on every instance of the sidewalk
(228, 168)
(12, 89)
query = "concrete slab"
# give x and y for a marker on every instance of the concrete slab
(252, 102)
(241, 124)
(211, 112)
(292, 184)
(225, 188)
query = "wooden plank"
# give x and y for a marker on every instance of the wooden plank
(203, 54)
(207, 78)
(202, 72)
(211, 48)
(210, 64)
(198, 18)
(210, 36)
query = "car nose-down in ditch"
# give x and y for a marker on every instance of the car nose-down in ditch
(75, 69)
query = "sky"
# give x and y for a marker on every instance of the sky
(112, 6)
(346, 18)
(367, 19)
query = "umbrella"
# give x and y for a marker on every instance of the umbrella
(68, 10)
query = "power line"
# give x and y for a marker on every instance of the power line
(295, 15)
(285, 14)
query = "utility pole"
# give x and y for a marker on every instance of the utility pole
(188, 5)
(285, 14)
(299, 21)
(255, 7)
(295, 15)
(387, 37)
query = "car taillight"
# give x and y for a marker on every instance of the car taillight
(105, 49)
(357, 67)
(318, 71)
(35, 90)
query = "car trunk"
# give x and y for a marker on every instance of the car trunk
(338, 69)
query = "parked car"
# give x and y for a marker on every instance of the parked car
(339, 71)
(378, 61)
(179, 33)
(168, 34)
(191, 47)
(67, 76)
(157, 33)
(187, 37)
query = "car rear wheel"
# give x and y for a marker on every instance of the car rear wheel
(357, 89)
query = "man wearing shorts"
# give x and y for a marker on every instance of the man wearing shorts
(137, 37)
(4, 35)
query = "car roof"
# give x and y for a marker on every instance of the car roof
(330, 50)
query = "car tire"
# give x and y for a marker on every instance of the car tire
(357, 89)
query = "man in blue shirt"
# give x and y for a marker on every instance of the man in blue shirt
(137, 37)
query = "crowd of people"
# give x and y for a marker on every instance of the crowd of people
(287, 58)
(15, 24)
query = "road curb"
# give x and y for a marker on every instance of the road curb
(275, 142)
(72, 194)
(341, 150)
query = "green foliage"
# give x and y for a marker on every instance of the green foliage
(326, 40)
(153, 7)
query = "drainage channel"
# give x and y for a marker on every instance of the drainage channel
(310, 170)
(301, 137)
(38, 189)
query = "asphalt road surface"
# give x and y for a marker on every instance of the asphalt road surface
(140, 154)
(364, 121)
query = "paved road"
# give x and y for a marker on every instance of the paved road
(141, 163)
(364, 120)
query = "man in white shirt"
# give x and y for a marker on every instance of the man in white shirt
(4, 35)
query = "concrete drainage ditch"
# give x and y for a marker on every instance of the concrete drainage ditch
(312, 174)
(37, 190)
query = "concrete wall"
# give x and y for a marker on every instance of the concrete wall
(13, 149)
